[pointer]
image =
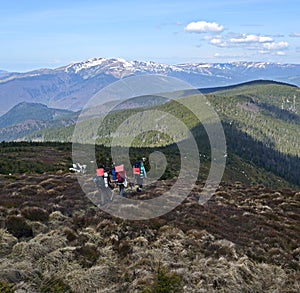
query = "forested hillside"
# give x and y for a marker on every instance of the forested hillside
(260, 119)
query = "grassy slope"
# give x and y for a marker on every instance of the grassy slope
(32, 158)
(245, 239)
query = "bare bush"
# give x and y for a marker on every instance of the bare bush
(35, 214)
(18, 227)
(7, 241)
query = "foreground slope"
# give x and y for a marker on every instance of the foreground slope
(244, 239)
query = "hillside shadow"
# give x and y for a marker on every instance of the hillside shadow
(278, 113)
(261, 155)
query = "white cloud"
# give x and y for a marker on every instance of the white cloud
(251, 39)
(209, 37)
(231, 56)
(247, 43)
(268, 52)
(215, 41)
(280, 53)
(276, 46)
(219, 55)
(264, 44)
(295, 35)
(219, 42)
(203, 27)
(244, 40)
(264, 51)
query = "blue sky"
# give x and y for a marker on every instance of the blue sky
(49, 34)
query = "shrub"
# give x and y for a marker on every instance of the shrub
(6, 287)
(3, 211)
(70, 234)
(17, 226)
(57, 216)
(165, 282)
(54, 285)
(88, 254)
(38, 228)
(124, 248)
(35, 214)
(7, 241)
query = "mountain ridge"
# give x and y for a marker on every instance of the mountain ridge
(26, 117)
(252, 82)
(31, 111)
(71, 86)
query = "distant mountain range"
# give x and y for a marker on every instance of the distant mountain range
(71, 86)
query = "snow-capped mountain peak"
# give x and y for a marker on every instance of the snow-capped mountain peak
(76, 67)
(118, 67)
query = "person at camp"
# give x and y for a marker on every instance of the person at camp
(107, 178)
(139, 172)
(113, 176)
(120, 183)
(120, 179)
(102, 183)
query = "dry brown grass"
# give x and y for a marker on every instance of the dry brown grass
(245, 239)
